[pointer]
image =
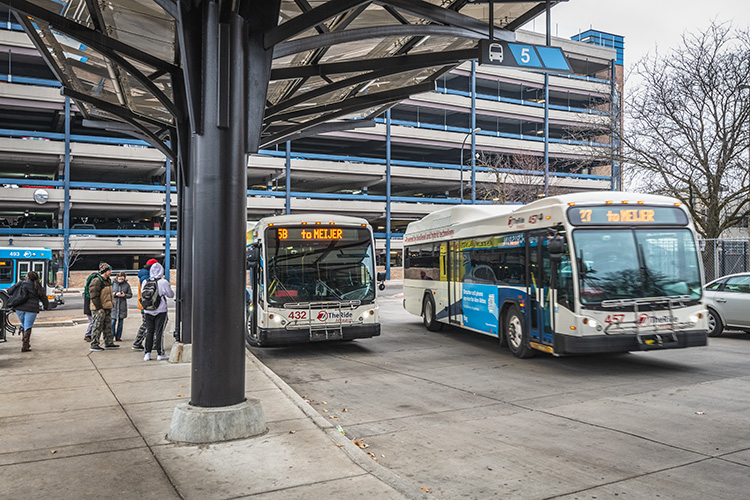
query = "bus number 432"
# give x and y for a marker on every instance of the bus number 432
(298, 315)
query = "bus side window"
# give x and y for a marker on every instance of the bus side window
(6, 271)
(565, 280)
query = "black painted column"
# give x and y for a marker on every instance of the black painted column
(219, 199)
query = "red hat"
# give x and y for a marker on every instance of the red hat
(152, 262)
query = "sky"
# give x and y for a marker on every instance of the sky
(645, 24)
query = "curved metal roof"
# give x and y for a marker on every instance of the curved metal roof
(123, 61)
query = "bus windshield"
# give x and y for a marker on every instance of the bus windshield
(310, 264)
(638, 263)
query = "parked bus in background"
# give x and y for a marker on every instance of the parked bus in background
(572, 274)
(312, 278)
(15, 262)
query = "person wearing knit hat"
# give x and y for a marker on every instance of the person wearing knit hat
(102, 302)
(151, 262)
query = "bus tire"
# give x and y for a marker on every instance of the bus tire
(715, 326)
(515, 333)
(428, 315)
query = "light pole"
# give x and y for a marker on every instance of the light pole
(470, 133)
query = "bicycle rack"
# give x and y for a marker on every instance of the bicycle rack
(651, 336)
(326, 329)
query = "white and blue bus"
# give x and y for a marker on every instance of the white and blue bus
(15, 262)
(312, 279)
(572, 274)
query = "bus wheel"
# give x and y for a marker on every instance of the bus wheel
(428, 315)
(515, 332)
(715, 327)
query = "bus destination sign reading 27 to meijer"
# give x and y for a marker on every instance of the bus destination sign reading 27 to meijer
(626, 215)
(523, 55)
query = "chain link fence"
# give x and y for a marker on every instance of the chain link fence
(723, 256)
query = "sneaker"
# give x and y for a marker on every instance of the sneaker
(118, 340)
(87, 338)
(147, 357)
(162, 357)
(96, 349)
(113, 346)
(136, 347)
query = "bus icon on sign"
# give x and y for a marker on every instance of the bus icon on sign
(496, 52)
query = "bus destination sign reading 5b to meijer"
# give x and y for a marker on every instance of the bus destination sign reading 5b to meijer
(626, 215)
(312, 233)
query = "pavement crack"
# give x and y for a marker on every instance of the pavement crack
(140, 434)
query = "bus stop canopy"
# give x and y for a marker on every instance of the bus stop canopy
(121, 60)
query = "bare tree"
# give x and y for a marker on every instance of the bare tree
(686, 132)
(518, 178)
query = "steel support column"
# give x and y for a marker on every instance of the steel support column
(66, 186)
(288, 165)
(388, 195)
(219, 200)
(473, 132)
(167, 222)
(546, 111)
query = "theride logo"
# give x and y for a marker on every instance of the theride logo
(322, 316)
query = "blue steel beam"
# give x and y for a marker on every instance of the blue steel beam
(473, 132)
(66, 215)
(288, 165)
(388, 194)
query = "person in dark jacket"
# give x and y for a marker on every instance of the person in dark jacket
(143, 275)
(102, 302)
(32, 290)
(122, 292)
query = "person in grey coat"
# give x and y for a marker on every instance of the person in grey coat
(122, 292)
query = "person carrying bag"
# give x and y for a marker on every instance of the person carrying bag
(24, 299)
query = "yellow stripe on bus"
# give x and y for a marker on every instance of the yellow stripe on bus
(540, 347)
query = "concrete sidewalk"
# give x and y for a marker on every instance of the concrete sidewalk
(79, 424)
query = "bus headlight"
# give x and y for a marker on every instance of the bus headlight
(275, 318)
(592, 323)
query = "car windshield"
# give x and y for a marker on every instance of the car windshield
(640, 263)
(319, 269)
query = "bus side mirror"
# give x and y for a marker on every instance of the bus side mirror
(253, 256)
(556, 247)
(381, 279)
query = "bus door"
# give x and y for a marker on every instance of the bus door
(540, 310)
(24, 266)
(455, 311)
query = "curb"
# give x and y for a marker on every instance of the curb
(355, 453)
(66, 322)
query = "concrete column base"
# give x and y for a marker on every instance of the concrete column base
(181, 353)
(198, 425)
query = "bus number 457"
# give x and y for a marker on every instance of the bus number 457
(614, 318)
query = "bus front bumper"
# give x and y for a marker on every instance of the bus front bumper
(282, 336)
(567, 344)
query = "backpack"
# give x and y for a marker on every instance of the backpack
(19, 296)
(86, 286)
(150, 297)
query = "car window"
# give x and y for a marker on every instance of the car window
(715, 285)
(738, 284)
